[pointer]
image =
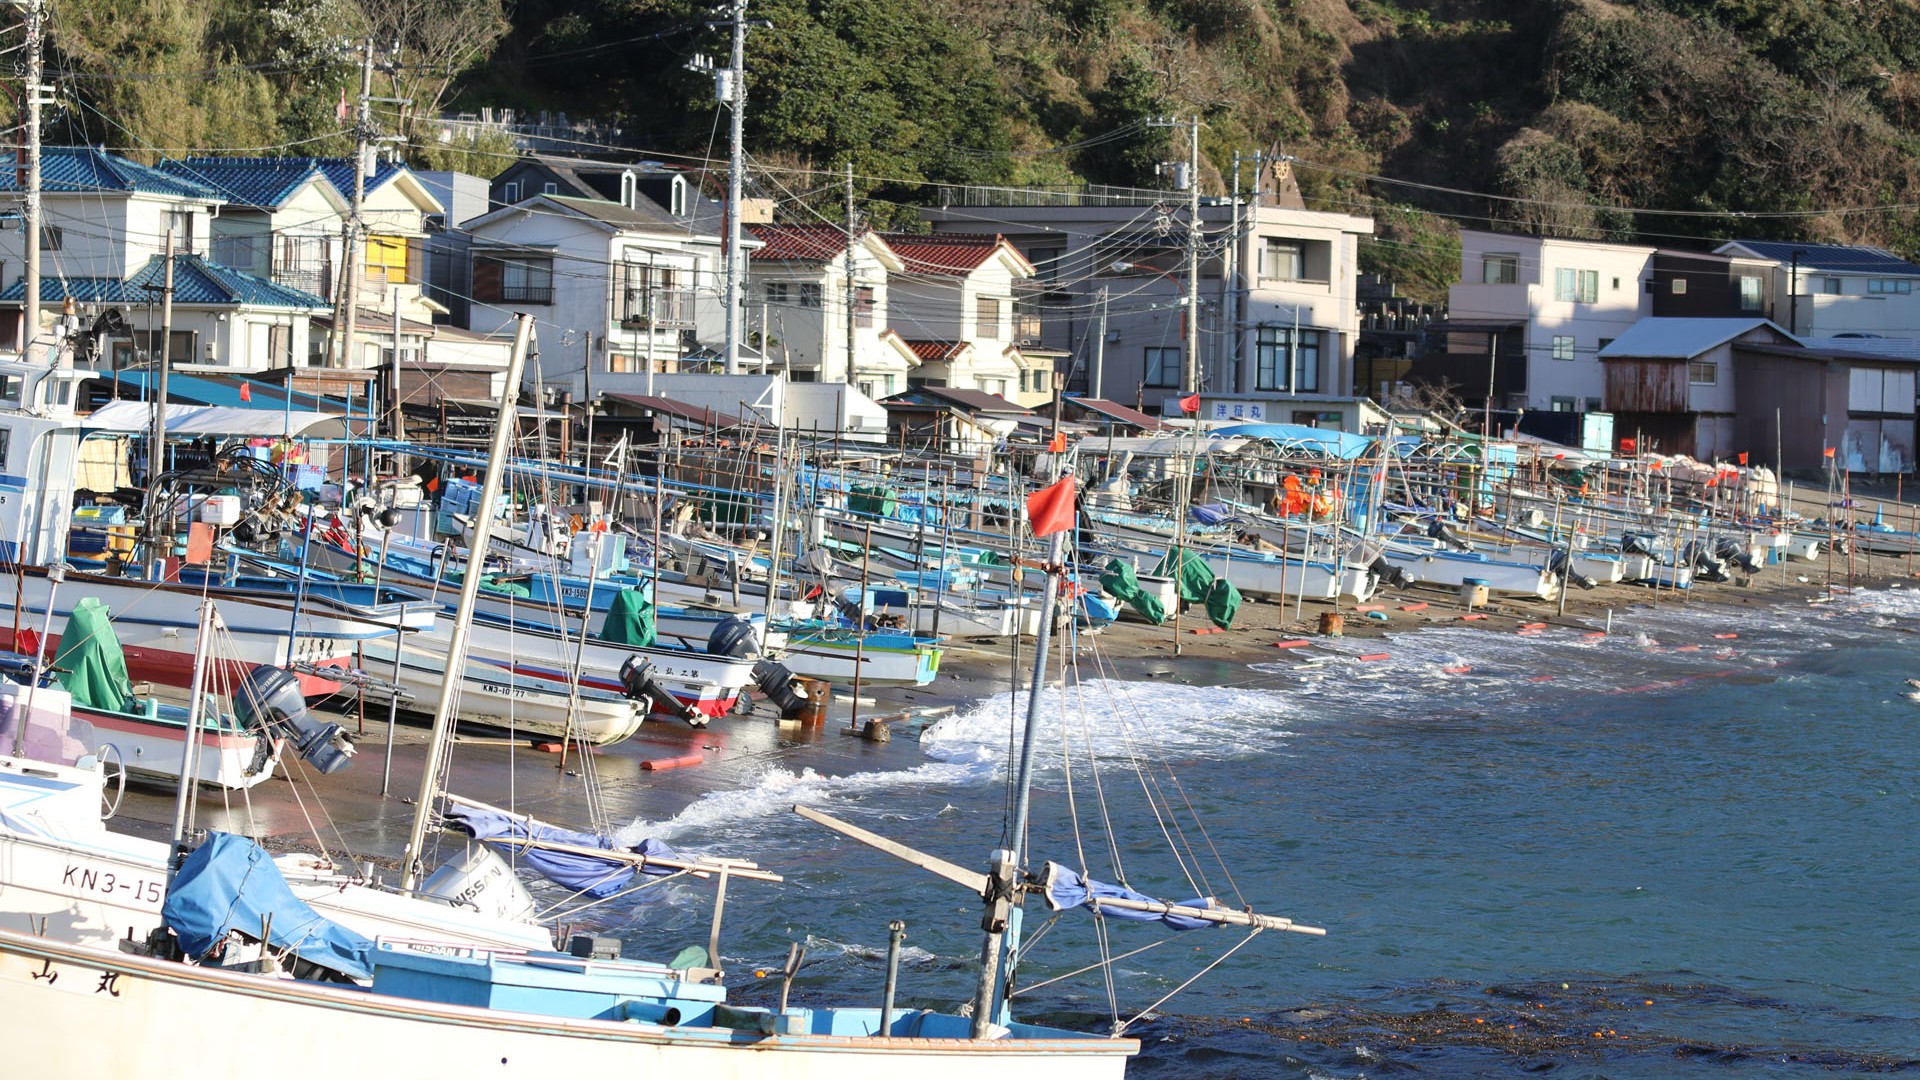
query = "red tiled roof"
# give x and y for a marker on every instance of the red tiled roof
(797, 243)
(680, 410)
(935, 351)
(1115, 410)
(943, 253)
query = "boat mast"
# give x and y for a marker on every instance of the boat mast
(469, 591)
(1000, 950)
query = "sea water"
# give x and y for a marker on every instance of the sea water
(1682, 849)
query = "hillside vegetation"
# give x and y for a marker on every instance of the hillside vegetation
(1655, 119)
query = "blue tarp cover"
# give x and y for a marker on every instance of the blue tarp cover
(581, 873)
(1067, 889)
(230, 883)
(1338, 444)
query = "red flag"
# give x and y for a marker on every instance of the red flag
(1628, 446)
(1743, 457)
(1829, 451)
(1057, 444)
(246, 391)
(1050, 509)
(1190, 403)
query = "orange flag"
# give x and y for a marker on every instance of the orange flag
(1190, 403)
(1050, 510)
(1829, 451)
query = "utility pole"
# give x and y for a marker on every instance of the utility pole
(38, 94)
(1192, 374)
(852, 292)
(1100, 347)
(733, 90)
(353, 235)
(157, 435)
(1230, 292)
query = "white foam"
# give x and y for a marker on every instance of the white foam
(1113, 718)
(777, 790)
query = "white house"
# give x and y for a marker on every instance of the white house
(1836, 289)
(615, 288)
(1555, 303)
(798, 294)
(951, 313)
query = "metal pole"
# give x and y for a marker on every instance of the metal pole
(1100, 349)
(1192, 373)
(852, 290)
(469, 591)
(157, 448)
(190, 751)
(349, 295)
(896, 933)
(33, 220)
(736, 165)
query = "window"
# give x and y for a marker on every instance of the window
(387, 258)
(1046, 262)
(1616, 284)
(549, 189)
(180, 224)
(1890, 286)
(1593, 404)
(1563, 404)
(1576, 286)
(888, 385)
(1499, 269)
(809, 295)
(513, 280)
(777, 292)
(1283, 260)
(510, 192)
(1679, 286)
(1563, 346)
(987, 319)
(1163, 367)
(50, 237)
(1282, 363)
(1703, 373)
(645, 297)
(863, 306)
(1830, 286)
(1749, 292)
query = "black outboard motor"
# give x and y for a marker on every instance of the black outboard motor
(778, 685)
(1389, 573)
(1562, 567)
(638, 683)
(1438, 530)
(734, 637)
(270, 700)
(1636, 544)
(1736, 553)
(1707, 567)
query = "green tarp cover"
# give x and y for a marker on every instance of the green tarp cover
(90, 664)
(1121, 583)
(1194, 577)
(1223, 602)
(873, 499)
(629, 620)
(492, 584)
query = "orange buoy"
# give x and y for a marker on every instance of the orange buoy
(1375, 656)
(1297, 643)
(1726, 637)
(1421, 606)
(657, 764)
(1533, 626)
(1470, 618)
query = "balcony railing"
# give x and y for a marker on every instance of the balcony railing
(647, 309)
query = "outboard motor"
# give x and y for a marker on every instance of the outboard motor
(1704, 562)
(638, 683)
(270, 700)
(1389, 573)
(1636, 544)
(479, 879)
(778, 685)
(734, 637)
(1438, 530)
(1562, 567)
(1736, 553)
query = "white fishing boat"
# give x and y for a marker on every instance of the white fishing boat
(1428, 563)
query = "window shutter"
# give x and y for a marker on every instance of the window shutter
(416, 259)
(487, 283)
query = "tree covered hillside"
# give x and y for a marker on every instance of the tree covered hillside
(1651, 119)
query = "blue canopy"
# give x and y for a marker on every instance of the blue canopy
(580, 872)
(1322, 440)
(1067, 889)
(230, 883)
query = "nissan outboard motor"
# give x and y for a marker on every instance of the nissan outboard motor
(1438, 530)
(777, 684)
(734, 637)
(1562, 567)
(1736, 553)
(270, 700)
(638, 683)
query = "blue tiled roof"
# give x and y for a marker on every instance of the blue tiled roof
(86, 169)
(1838, 258)
(195, 282)
(340, 173)
(263, 182)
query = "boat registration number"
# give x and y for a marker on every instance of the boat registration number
(142, 890)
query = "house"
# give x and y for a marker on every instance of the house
(951, 314)
(223, 320)
(955, 421)
(1531, 315)
(1277, 303)
(1715, 389)
(103, 219)
(800, 295)
(628, 185)
(391, 291)
(617, 289)
(282, 218)
(449, 248)
(1834, 289)
(1703, 285)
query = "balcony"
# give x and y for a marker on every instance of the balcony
(656, 309)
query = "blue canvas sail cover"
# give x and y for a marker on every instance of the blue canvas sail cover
(1067, 889)
(230, 883)
(577, 871)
